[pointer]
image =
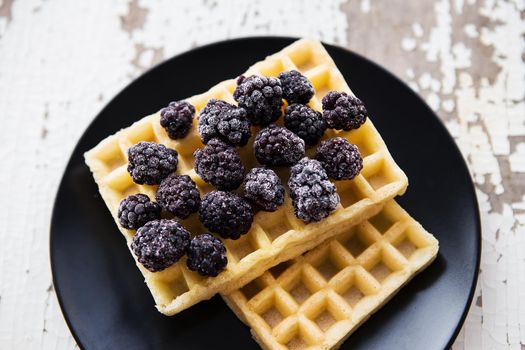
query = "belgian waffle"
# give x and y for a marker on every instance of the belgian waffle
(317, 300)
(273, 237)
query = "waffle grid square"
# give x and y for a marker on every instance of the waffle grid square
(308, 305)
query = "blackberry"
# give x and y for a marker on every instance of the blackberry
(136, 210)
(342, 111)
(226, 214)
(305, 122)
(276, 145)
(178, 195)
(296, 87)
(149, 162)
(177, 119)
(261, 97)
(160, 244)
(206, 255)
(220, 165)
(313, 196)
(225, 121)
(264, 188)
(340, 158)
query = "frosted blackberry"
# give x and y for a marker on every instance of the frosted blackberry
(225, 121)
(264, 188)
(149, 162)
(160, 244)
(206, 255)
(178, 195)
(177, 119)
(340, 158)
(220, 165)
(296, 87)
(226, 214)
(136, 210)
(313, 196)
(342, 111)
(305, 122)
(261, 97)
(276, 145)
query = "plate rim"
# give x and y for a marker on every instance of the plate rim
(289, 39)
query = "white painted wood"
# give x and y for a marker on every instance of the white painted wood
(61, 61)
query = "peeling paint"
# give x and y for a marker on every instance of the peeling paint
(471, 30)
(433, 101)
(146, 57)
(417, 30)
(5, 9)
(448, 105)
(465, 58)
(517, 159)
(135, 18)
(481, 85)
(408, 44)
(5, 15)
(365, 6)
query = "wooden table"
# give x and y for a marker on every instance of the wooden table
(61, 61)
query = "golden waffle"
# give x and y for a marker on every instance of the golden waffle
(273, 237)
(318, 299)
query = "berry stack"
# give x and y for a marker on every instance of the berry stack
(228, 210)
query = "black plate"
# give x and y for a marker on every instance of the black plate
(102, 294)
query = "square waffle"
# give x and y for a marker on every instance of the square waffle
(317, 300)
(273, 237)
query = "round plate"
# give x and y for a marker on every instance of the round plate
(102, 294)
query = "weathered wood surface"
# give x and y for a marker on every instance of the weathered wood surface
(61, 61)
